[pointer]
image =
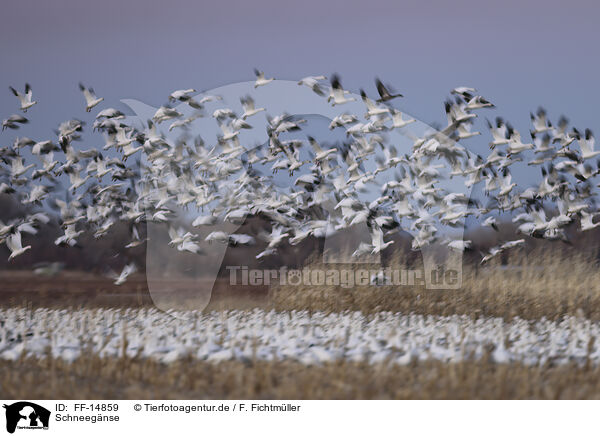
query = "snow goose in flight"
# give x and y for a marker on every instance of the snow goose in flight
(377, 240)
(236, 239)
(320, 154)
(313, 83)
(515, 144)
(384, 93)
(209, 98)
(464, 131)
(338, 94)
(36, 195)
(266, 252)
(217, 236)
(165, 113)
(129, 150)
(228, 132)
(44, 147)
(25, 99)
(458, 245)
(376, 246)
(6, 189)
(494, 251)
(91, 100)
(276, 237)
(560, 134)
(464, 91)
(586, 144)
(249, 109)
(125, 273)
(233, 239)
(183, 95)
(75, 177)
(455, 112)
(289, 126)
(499, 133)
(110, 113)
(541, 144)
(136, 240)
(505, 183)
(587, 221)
(183, 241)
(185, 122)
(539, 121)
(363, 248)
(342, 120)
(260, 78)
(372, 109)
(15, 245)
(204, 220)
(476, 102)
(512, 244)
(491, 222)
(49, 269)
(69, 236)
(398, 122)
(13, 122)
(223, 114)
(17, 168)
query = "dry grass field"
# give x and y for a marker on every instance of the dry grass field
(535, 285)
(94, 378)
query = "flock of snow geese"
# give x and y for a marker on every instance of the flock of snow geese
(309, 338)
(141, 175)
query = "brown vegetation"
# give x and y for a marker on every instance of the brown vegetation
(532, 285)
(91, 377)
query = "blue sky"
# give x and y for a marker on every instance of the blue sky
(518, 54)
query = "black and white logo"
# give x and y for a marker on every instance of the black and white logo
(26, 415)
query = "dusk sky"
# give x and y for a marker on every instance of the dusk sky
(517, 54)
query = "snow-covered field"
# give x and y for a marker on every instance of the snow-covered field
(301, 336)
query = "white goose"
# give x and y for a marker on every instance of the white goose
(398, 122)
(15, 245)
(13, 122)
(539, 121)
(338, 94)
(499, 133)
(165, 113)
(91, 100)
(372, 109)
(125, 273)
(249, 109)
(25, 99)
(320, 154)
(586, 144)
(587, 221)
(260, 79)
(313, 83)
